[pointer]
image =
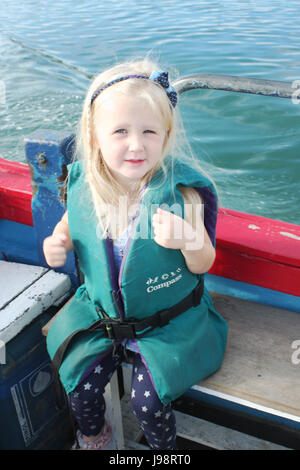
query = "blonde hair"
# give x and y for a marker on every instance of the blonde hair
(104, 188)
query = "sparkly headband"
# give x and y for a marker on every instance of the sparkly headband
(158, 77)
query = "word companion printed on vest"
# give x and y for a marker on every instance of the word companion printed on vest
(164, 280)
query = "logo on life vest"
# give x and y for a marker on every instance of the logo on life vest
(168, 278)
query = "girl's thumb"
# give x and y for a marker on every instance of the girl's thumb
(62, 237)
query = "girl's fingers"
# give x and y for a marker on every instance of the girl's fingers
(162, 213)
(156, 219)
(161, 216)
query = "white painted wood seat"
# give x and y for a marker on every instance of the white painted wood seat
(26, 291)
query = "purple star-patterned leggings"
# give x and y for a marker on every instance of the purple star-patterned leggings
(88, 405)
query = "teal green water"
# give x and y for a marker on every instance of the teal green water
(249, 144)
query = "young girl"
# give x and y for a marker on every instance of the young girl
(133, 220)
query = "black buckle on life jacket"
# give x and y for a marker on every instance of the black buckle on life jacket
(115, 329)
(132, 328)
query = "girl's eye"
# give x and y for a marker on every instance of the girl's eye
(120, 131)
(149, 131)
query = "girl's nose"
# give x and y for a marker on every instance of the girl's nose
(136, 144)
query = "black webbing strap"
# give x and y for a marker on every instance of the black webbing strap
(116, 329)
(163, 317)
(132, 328)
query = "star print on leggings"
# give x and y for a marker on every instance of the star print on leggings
(88, 405)
(159, 427)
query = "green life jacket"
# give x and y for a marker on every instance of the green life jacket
(151, 278)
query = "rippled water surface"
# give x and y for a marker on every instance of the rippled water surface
(249, 144)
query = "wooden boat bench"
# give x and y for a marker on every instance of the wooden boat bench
(256, 389)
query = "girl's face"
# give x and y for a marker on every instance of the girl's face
(130, 135)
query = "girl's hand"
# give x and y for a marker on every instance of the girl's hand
(55, 250)
(171, 231)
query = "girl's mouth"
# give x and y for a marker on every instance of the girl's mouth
(135, 162)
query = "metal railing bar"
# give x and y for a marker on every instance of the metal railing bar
(255, 86)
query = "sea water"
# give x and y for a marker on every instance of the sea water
(49, 52)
